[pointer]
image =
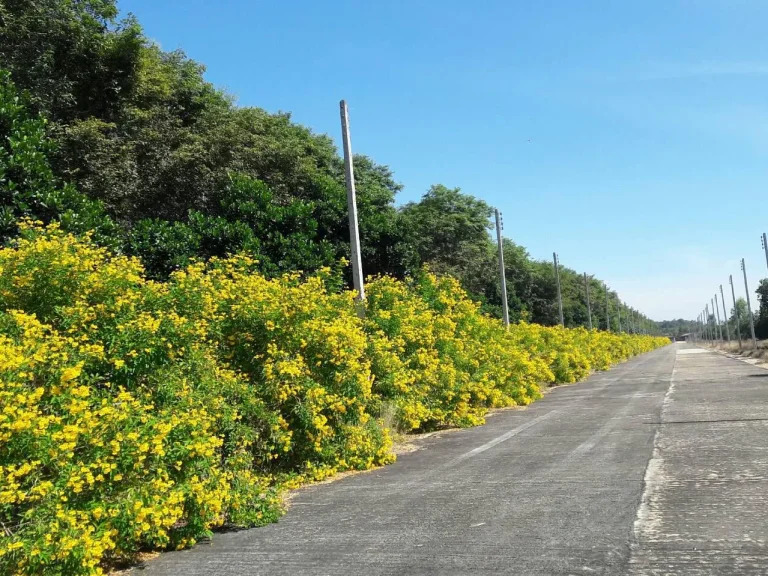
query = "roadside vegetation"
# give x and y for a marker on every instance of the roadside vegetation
(140, 414)
(178, 343)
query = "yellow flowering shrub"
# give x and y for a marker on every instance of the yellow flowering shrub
(140, 415)
(439, 359)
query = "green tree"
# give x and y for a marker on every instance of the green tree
(74, 57)
(183, 172)
(761, 318)
(140, 130)
(743, 319)
(28, 187)
(449, 232)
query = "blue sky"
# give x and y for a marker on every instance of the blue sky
(631, 137)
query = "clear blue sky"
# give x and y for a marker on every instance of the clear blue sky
(631, 137)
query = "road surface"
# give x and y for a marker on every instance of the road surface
(658, 466)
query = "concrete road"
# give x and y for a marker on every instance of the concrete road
(659, 466)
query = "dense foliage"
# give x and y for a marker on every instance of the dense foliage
(164, 166)
(761, 314)
(140, 414)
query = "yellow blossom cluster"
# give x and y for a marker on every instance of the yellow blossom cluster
(137, 414)
(439, 361)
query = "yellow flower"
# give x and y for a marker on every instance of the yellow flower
(71, 373)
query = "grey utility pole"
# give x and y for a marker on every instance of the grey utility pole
(706, 324)
(589, 304)
(714, 319)
(749, 306)
(559, 293)
(725, 315)
(735, 310)
(765, 247)
(607, 314)
(717, 312)
(618, 311)
(709, 325)
(354, 232)
(502, 274)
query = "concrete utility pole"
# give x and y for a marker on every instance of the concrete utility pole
(725, 315)
(354, 232)
(719, 326)
(709, 325)
(706, 324)
(735, 310)
(589, 305)
(559, 293)
(749, 306)
(618, 311)
(502, 274)
(765, 247)
(607, 315)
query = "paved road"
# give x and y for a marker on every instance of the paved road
(659, 466)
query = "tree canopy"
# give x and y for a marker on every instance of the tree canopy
(103, 130)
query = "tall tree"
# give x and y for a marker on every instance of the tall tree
(448, 231)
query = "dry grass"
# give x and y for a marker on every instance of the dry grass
(745, 351)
